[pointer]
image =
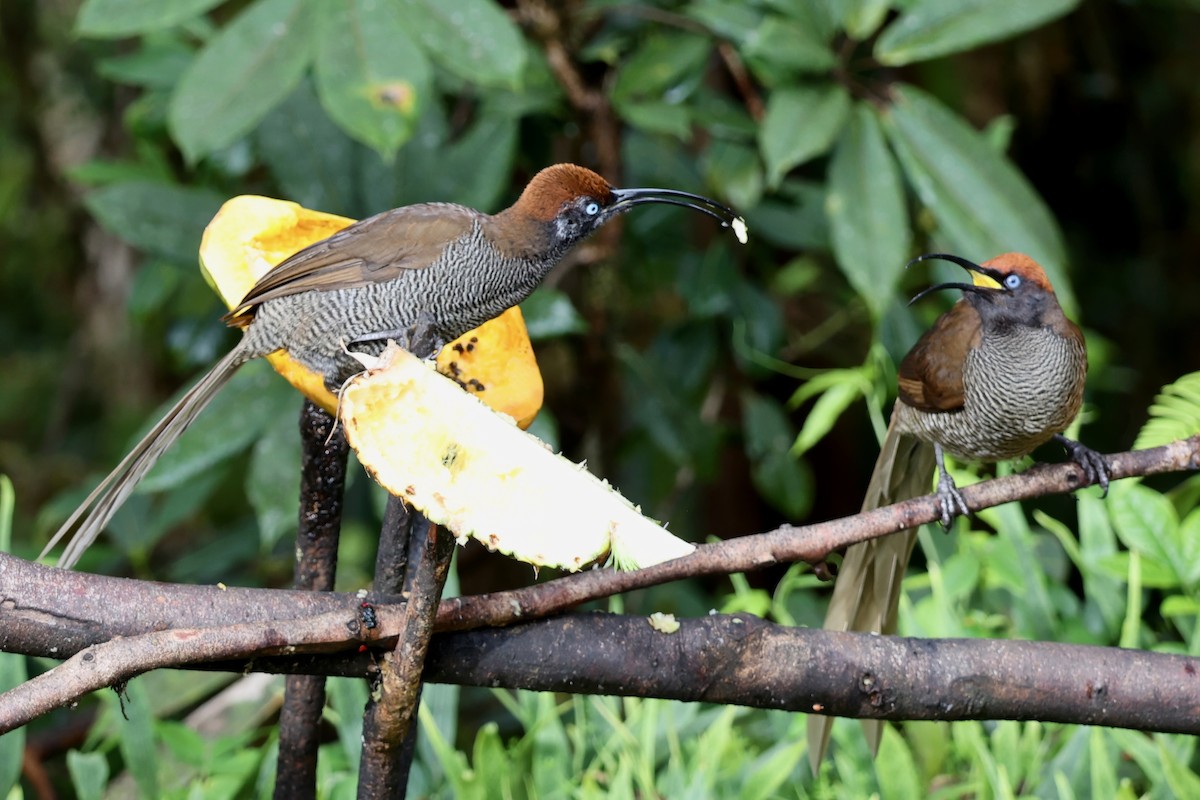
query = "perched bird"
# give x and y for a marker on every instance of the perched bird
(438, 264)
(997, 375)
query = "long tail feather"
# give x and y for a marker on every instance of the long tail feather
(94, 513)
(866, 596)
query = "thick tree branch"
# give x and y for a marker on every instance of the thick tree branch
(51, 612)
(739, 660)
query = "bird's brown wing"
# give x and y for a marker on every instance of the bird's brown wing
(931, 375)
(371, 251)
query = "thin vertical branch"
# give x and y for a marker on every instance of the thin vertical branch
(322, 484)
(390, 724)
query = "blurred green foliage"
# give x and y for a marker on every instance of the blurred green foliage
(726, 389)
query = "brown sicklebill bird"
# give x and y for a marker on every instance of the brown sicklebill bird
(435, 264)
(996, 376)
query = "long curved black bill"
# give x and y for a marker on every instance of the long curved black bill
(966, 287)
(627, 198)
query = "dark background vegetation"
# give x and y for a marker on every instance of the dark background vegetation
(672, 356)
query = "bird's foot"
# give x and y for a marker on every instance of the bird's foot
(1095, 468)
(950, 499)
(421, 338)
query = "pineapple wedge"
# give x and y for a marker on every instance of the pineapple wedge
(473, 471)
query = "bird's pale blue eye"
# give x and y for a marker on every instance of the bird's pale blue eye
(591, 209)
(1012, 281)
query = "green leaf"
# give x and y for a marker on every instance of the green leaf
(765, 426)
(772, 771)
(861, 18)
(12, 674)
(89, 774)
(1180, 778)
(473, 39)
(135, 721)
(475, 169)
(801, 123)
(1174, 415)
(787, 45)
(371, 76)
(1146, 522)
(159, 64)
(896, 768)
(785, 482)
(312, 159)
(735, 172)
(157, 218)
(825, 412)
(868, 221)
(250, 66)
(982, 204)
(933, 28)
(550, 313)
(666, 66)
(657, 117)
(235, 418)
(729, 19)
(273, 484)
(119, 18)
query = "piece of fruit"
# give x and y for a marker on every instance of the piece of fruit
(251, 234)
(477, 474)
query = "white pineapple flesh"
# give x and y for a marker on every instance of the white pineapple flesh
(475, 472)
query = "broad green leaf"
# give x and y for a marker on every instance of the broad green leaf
(1189, 544)
(861, 18)
(734, 20)
(89, 774)
(982, 204)
(473, 39)
(788, 46)
(765, 426)
(274, 480)
(118, 18)
(896, 768)
(785, 482)
(934, 28)
(312, 159)
(657, 117)
(371, 76)
(157, 218)
(1146, 522)
(733, 169)
(801, 123)
(549, 313)
(868, 221)
(159, 64)
(667, 67)
(250, 66)
(235, 418)
(475, 169)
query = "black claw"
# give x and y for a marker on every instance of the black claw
(1093, 464)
